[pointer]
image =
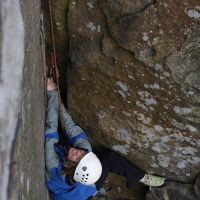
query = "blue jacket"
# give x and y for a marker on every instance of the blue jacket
(59, 187)
(56, 183)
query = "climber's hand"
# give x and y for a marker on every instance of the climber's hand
(51, 85)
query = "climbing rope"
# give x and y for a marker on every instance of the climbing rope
(54, 67)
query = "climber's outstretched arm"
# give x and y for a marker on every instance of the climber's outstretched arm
(74, 133)
(51, 122)
(51, 134)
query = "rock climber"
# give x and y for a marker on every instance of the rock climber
(73, 171)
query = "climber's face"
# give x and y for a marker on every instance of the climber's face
(75, 154)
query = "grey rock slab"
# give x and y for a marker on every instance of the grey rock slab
(11, 73)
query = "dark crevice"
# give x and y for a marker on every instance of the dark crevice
(62, 51)
(110, 33)
(126, 16)
(139, 11)
(118, 43)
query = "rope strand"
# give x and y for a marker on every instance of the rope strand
(55, 66)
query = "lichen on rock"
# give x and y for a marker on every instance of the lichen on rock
(139, 74)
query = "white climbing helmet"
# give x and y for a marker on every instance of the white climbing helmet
(89, 169)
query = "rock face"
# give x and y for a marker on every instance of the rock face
(134, 80)
(134, 87)
(22, 101)
(11, 32)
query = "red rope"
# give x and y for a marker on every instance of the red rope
(54, 65)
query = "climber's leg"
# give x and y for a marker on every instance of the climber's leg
(116, 163)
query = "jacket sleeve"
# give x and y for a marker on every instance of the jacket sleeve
(74, 133)
(51, 134)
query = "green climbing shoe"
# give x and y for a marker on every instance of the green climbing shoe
(153, 181)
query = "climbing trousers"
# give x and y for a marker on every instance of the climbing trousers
(113, 162)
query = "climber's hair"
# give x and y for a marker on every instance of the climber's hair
(68, 171)
(69, 168)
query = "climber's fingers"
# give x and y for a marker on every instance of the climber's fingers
(51, 85)
(50, 79)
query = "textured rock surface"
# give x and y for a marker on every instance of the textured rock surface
(174, 191)
(12, 56)
(22, 102)
(134, 82)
